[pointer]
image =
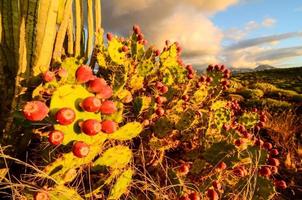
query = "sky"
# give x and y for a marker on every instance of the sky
(238, 33)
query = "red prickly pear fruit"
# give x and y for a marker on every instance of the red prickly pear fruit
(226, 76)
(274, 152)
(108, 107)
(216, 185)
(41, 196)
(160, 111)
(62, 72)
(184, 198)
(190, 76)
(91, 104)
(145, 42)
(164, 89)
(185, 97)
(56, 137)
(65, 116)
(91, 127)
(160, 100)
(239, 171)
(221, 166)
(227, 71)
(209, 79)
(96, 85)
(198, 84)
(267, 145)
(35, 110)
(179, 49)
(146, 122)
(80, 149)
(106, 93)
(109, 36)
(222, 68)
(184, 168)
(125, 48)
(180, 62)
(136, 29)
(140, 37)
(157, 52)
(274, 169)
(273, 162)
(210, 68)
(261, 124)
(225, 87)
(109, 126)
(265, 171)
(48, 76)
(263, 118)
(84, 74)
(167, 42)
(259, 142)
(159, 85)
(190, 69)
(202, 78)
(280, 184)
(254, 110)
(225, 82)
(217, 67)
(226, 127)
(238, 142)
(194, 196)
(212, 194)
(257, 128)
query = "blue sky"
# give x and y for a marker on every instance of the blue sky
(239, 33)
(287, 17)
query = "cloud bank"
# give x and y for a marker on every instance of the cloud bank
(189, 23)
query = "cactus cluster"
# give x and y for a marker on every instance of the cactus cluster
(192, 141)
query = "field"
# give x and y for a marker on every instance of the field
(88, 114)
(279, 92)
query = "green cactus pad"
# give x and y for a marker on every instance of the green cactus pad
(121, 185)
(201, 94)
(101, 59)
(162, 127)
(136, 82)
(176, 181)
(169, 58)
(118, 115)
(141, 103)
(58, 169)
(218, 105)
(116, 157)
(249, 119)
(119, 79)
(70, 96)
(127, 132)
(71, 64)
(186, 120)
(115, 53)
(146, 68)
(264, 189)
(64, 193)
(221, 151)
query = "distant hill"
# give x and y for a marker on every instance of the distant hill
(264, 67)
(245, 70)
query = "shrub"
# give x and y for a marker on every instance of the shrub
(265, 87)
(251, 93)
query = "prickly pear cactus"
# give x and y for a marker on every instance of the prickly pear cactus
(141, 116)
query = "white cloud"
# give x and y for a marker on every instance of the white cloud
(268, 22)
(185, 21)
(199, 36)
